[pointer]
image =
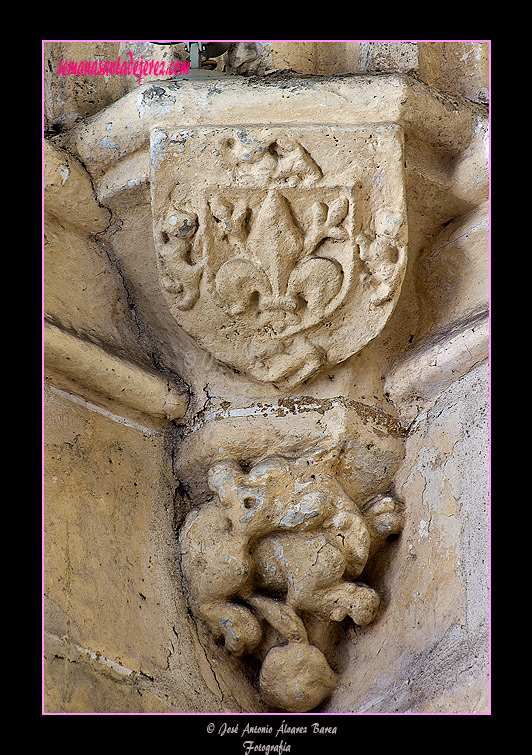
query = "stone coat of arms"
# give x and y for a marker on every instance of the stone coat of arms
(281, 251)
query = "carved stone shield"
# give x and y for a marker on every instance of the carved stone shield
(281, 250)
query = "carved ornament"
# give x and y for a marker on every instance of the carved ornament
(279, 548)
(281, 250)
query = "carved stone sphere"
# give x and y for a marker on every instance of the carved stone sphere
(296, 677)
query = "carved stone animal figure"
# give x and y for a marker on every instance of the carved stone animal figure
(179, 275)
(315, 570)
(216, 540)
(280, 529)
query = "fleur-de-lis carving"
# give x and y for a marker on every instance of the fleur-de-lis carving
(276, 269)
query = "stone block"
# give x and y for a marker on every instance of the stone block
(457, 67)
(111, 599)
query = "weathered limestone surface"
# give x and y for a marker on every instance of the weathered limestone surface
(266, 345)
(438, 572)
(255, 242)
(117, 636)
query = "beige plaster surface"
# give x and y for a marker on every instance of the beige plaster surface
(113, 609)
(428, 651)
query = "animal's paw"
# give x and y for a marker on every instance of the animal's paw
(353, 599)
(241, 630)
(384, 516)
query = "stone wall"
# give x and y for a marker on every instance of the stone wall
(266, 331)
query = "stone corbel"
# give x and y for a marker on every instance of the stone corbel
(278, 543)
(286, 520)
(279, 246)
(281, 250)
